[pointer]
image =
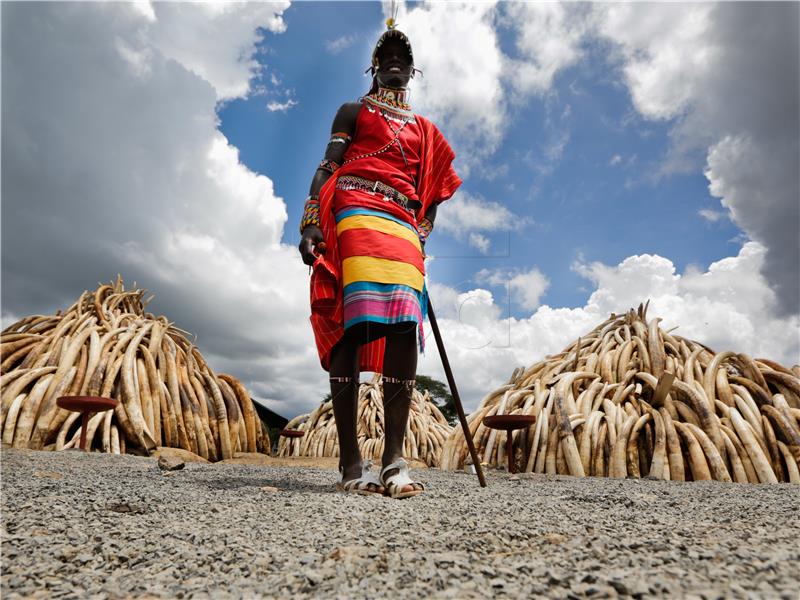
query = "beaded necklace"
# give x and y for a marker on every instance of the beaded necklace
(393, 100)
(399, 110)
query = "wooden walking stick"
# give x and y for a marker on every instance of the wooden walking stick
(456, 399)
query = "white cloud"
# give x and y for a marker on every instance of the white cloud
(119, 168)
(552, 150)
(727, 75)
(525, 287)
(145, 8)
(528, 288)
(760, 188)
(460, 91)
(615, 160)
(728, 307)
(215, 40)
(8, 318)
(275, 106)
(479, 241)
(713, 216)
(636, 277)
(465, 213)
(466, 91)
(665, 49)
(548, 39)
(341, 43)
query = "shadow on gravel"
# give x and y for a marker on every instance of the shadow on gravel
(283, 484)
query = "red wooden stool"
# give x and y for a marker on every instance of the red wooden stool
(292, 433)
(509, 423)
(86, 405)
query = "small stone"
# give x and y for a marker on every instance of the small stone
(497, 582)
(514, 478)
(554, 538)
(634, 545)
(262, 562)
(124, 507)
(170, 463)
(619, 586)
(314, 577)
(65, 554)
(349, 553)
(447, 558)
(600, 591)
(83, 558)
(48, 474)
(426, 574)
(639, 589)
(270, 489)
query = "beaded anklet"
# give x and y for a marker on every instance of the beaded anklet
(406, 383)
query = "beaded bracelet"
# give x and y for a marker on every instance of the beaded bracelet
(310, 213)
(425, 226)
(328, 165)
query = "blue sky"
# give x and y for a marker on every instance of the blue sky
(611, 154)
(578, 161)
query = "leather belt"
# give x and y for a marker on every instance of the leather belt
(352, 182)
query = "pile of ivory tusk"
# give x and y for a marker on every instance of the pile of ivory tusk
(426, 430)
(631, 400)
(106, 345)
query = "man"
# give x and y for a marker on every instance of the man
(373, 202)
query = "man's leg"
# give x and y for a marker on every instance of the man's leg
(399, 373)
(344, 394)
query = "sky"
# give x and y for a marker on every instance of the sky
(610, 153)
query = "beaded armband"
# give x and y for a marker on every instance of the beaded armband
(425, 226)
(328, 165)
(310, 213)
(339, 138)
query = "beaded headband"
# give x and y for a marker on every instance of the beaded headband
(391, 33)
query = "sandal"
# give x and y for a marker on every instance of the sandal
(394, 484)
(360, 485)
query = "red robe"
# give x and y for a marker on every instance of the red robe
(437, 181)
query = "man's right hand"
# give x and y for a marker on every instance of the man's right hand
(312, 235)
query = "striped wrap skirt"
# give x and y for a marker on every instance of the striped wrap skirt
(383, 273)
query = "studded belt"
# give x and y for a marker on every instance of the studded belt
(351, 182)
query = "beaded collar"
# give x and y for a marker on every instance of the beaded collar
(392, 100)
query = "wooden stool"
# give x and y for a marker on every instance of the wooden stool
(292, 433)
(86, 405)
(509, 423)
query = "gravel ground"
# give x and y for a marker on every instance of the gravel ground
(104, 526)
